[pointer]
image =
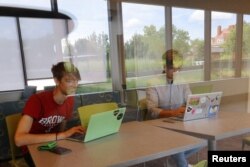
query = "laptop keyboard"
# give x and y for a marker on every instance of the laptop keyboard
(77, 136)
(180, 116)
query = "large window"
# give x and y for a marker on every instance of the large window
(148, 30)
(84, 40)
(223, 45)
(246, 47)
(144, 40)
(11, 72)
(188, 39)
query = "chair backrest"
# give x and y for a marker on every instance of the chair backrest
(131, 98)
(12, 122)
(88, 110)
(202, 89)
(141, 99)
(142, 104)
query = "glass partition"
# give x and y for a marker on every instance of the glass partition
(223, 45)
(88, 44)
(188, 39)
(144, 43)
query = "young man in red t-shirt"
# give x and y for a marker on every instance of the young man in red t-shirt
(46, 113)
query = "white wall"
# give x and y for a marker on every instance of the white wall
(235, 93)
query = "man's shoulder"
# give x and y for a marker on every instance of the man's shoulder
(43, 94)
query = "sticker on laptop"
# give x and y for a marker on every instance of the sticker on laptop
(118, 115)
(203, 100)
(194, 101)
(213, 109)
(189, 109)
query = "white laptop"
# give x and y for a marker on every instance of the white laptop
(100, 125)
(201, 106)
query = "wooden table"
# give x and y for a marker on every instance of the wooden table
(135, 143)
(224, 125)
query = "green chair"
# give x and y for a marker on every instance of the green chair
(245, 141)
(137, 99)
(170, 162)
(93, 109)
(202, 163)
(142, 110)
(12, 122)
(131, 98)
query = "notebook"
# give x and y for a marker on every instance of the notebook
(100, 125)
(201, 106)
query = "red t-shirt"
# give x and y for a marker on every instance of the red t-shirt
(46, 113)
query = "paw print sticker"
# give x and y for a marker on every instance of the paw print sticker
(118, 114)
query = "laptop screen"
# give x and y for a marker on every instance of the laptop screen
(101, 124)
(203, 105)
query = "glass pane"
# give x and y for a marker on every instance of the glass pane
(42, 84)
(246, 47)
(223, 45)
(188, 39)
(39, 4)
(144, 40)
(11, 71)
(89, 40)
(42, 44)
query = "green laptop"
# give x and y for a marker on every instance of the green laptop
(100, 125)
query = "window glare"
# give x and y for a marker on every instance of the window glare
(85, 41)
(89, 39)
(39, 4)
(41, 84)
(42, 46)
(10, 59)
(86, 44)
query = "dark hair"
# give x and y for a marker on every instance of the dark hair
(62, 68)
(172, 62)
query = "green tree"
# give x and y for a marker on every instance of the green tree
(246, 40)
(197, 49)
(155, 41)
(181, 40)
(92, 45)
(229, 44)
(135, 47)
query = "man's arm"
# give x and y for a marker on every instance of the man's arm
(23, 137)
(171, 113)
(152, 102)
